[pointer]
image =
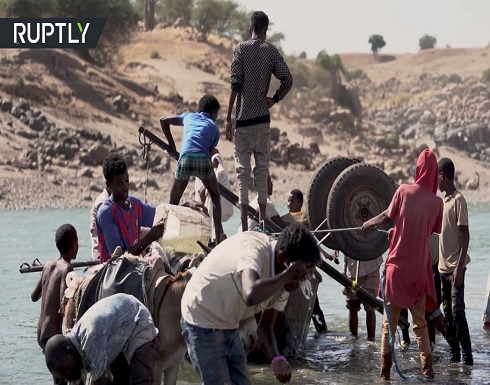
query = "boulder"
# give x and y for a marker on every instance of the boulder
(96, 188)
(26, 134)
(23, 104)
(455, 89)
(478, 89)
(120, 103)
(410, 132)
(85, 172)
(87, 160)
(179, 22)
(17, 112)
(454, 78)
(427, 118)
(309, 131)
(36, 124)
(484, 107)
(275, 132)
(6, 105)
(98, 152)
(31, 155)
(426, 142)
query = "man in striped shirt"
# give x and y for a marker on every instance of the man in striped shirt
(254, 63)
(121, 216)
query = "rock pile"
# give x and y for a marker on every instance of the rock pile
(50, 147)
(447, 109)
(399, 120)
(284, 153)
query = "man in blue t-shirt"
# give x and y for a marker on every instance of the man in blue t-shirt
(201, 135)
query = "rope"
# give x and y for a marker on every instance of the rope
(355, 286)
(328, 231)
(391, 332)
(146, 155)
(336, 230)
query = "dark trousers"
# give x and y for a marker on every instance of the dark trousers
(140, 371)
(457, 332)
(318, 318)
(437, 284)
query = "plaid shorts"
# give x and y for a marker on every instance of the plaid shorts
(198, 165)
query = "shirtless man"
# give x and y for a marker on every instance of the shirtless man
(52, 285)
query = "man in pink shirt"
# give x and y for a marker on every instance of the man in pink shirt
(417, 213)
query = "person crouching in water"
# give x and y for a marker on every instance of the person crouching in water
(408, 283)
(201, 136)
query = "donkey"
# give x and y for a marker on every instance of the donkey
(166, 313)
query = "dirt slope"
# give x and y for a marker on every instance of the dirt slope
(75, 95)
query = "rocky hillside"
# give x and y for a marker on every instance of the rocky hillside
(60, 116)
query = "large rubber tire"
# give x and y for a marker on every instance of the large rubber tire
(359, 193)
(317, 194)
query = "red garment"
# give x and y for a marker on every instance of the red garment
(417, 212)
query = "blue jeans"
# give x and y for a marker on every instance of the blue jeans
(217, 356)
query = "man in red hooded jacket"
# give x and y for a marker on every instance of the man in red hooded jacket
(417, 213)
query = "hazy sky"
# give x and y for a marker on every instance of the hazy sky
(345, 25)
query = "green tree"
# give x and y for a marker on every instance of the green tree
(226, 11)
(377, 42)
(302, 55)
(170, 10)
(221, 16)
(121, 18)
(27, 8)
(276, 40)
(330, 63)
(205, 16)
(240, 25)
(427, 42)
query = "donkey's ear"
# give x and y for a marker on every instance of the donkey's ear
(204, 248)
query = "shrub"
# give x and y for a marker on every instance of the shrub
(20, 82)
(402, 98)
(355, 74)
(486, 75)
(155, 55)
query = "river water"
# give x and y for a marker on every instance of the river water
(333, 358)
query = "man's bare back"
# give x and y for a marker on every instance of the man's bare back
(50, 289)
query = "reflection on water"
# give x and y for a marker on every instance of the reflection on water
(333, 358)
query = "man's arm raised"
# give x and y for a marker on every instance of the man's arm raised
(165, 122)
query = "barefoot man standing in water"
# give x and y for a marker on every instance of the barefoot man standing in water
(52, 285)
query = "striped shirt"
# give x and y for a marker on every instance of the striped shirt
(117, 226)
(254, 62)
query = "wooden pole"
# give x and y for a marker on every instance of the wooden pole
(26, 268)
(273, 227)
